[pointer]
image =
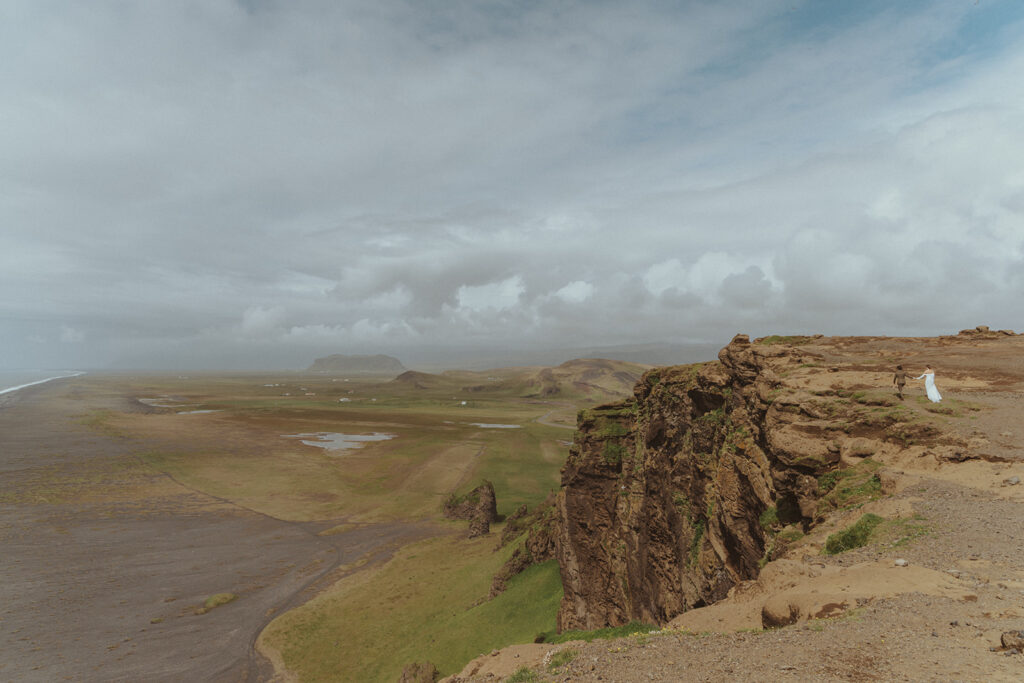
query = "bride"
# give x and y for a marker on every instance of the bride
(929, 384)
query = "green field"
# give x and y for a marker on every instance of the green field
(426, 604)
(430, 601)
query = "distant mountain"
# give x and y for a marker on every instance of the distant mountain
(437, 359)
(597, 379)
(594, 379)
(420, 380)
(340, 364)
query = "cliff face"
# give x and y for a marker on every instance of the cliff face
(663, 494)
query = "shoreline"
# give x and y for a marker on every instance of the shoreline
(11, 390)
(107, 561)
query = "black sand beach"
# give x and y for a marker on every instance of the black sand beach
(106, 562)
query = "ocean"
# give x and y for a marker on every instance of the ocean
(12, 380)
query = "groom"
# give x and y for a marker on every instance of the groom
(900, 380)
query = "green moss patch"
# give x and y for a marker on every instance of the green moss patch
(523, 674)
(561, 658)
(854, 536)
(792, 340)
(607, 633)
(215, 601)
(769, 518)
(849, 487)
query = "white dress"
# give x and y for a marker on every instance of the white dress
(929, 386)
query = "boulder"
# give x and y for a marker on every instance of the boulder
(1013, 640)
(779, 611)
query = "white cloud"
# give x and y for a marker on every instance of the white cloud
(258, 320)
(378, 172)
(575, 292)
(493, 295)
(70, 335)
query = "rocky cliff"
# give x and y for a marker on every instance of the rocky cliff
(668, 498)
(479, 507)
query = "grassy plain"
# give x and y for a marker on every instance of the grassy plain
(240, 453)
(226, 436)
(426, 604)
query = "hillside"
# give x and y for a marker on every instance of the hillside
(725, 499)
(590, 379)
(340, 364)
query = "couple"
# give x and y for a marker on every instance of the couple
(900, 378)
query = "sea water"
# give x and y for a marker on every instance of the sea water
(12, 380)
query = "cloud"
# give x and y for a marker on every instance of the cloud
(575, 292)
(250, 183)
(69, 335)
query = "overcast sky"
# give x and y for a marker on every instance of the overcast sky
(254, 184)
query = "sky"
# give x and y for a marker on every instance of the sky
(253, 184)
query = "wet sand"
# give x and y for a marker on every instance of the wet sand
(105, 561)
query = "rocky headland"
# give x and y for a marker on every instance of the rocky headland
(718, 504)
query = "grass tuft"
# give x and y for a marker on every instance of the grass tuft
(849, 487)
(769, 518)
(854, 536)
(795, 340)
(561, 658)
(523, 675)
(215, 601)
(607, 633)
(612, 453)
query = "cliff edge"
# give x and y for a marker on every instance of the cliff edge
(718, 498)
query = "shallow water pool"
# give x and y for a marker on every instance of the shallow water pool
(336, 441)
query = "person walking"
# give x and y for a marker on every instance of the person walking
(900, 380)
(929, 384)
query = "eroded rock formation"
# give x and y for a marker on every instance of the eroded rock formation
(538, 529)
(479, 507)
(664, 496)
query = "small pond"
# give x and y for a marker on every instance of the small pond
(335, 441)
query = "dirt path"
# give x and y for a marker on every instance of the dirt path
(106, 561)
(545, 418)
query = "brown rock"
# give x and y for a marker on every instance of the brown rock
(419, 672)
(778, 611)
(479, 506)
(514, 526)
(479, 526)
(538, 546)
(661, 495)
(859, 448)
(1013, 640)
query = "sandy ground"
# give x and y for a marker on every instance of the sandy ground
(937, 615)
(105, 561)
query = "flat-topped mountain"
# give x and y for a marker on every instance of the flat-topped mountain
(340, 364)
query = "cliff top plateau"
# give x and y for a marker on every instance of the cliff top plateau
(783, 514)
